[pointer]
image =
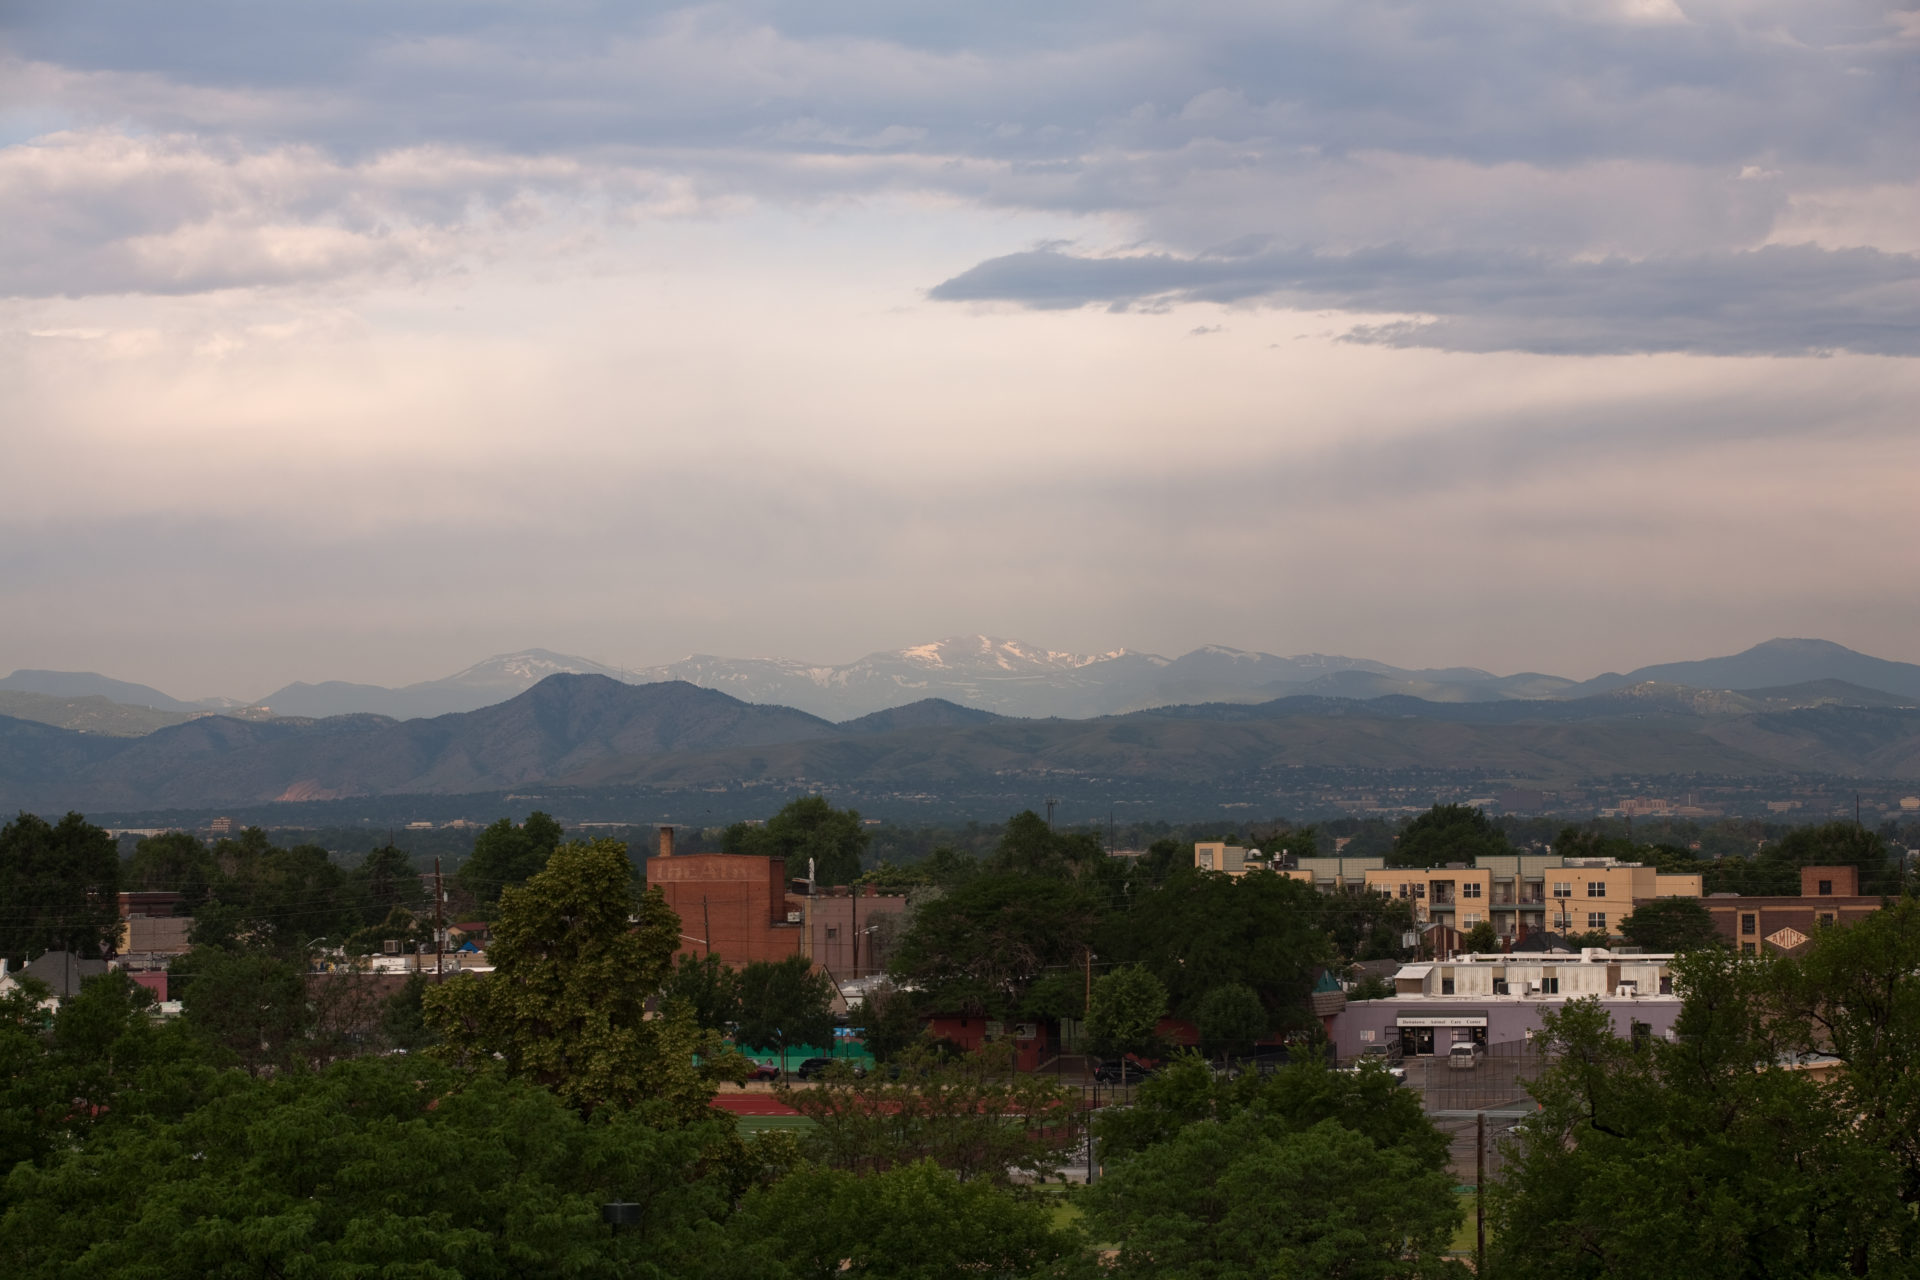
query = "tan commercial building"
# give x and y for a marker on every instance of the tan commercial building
(1519, 894)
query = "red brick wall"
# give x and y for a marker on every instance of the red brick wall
(741, 899)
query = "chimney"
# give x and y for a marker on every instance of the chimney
(666, 842)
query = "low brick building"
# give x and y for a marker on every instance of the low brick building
(743, 908)
(1828, 896)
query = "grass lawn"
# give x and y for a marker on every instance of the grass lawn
(750, 1125)
(1465, 1236)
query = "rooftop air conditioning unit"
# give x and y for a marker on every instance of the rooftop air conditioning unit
(1532, 988)
(391, 946)
(1626, 989)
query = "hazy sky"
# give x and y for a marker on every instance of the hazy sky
(362, 340)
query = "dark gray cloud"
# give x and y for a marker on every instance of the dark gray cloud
(1499, 164)
(1779, 300)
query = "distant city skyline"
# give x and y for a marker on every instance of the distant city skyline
(363, 343)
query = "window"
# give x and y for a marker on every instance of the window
(1446, 986)
(1826, 888)
(1419, 890)
(1747, 925)
(1562, 889)
(1596, 888)
(1471, 889)
(1470, 919)
(1826, 917)
(1596, 919)
(1666, 984)
(1746, 948)
(1549, 986)
(833, 932)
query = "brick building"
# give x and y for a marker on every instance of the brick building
(1828, 896)
(743, 908)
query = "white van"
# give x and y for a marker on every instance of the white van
(1465, 1056)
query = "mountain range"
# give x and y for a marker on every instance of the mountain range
(1006, 677)
(591, 731)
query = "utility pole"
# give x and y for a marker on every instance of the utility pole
(706, 925)
(439, 926)
(1051, 801)
(1480, 1193)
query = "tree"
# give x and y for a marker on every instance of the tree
(576, 956)
(1248, 1197)
(505, 856)
(1671, 924)
(1480, 939)
(60, 884)
(1200, 930)
(976, 950)
(1231, 1020)
(784, 1004)
(1031, 847)
(1363, 925)
(913, 1222)
(1712, 1154)
(1835, 844)
(1124, 1012)
(252, 1006)
(386, 880)
(890, 1021)
(175, 861)
(807, 829)
(272, 899)
(975, 1115)
(1448, 833)
(382, 1166)
(708, 988)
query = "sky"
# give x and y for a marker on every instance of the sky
(363, 340)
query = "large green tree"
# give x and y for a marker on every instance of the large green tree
(251, 1005)
(1716, 1154)
(173, 860)
(708, 988)
(1309, 1172)
(913, 1222)
(272, 899)
(1030, 846)
(1201, 930)
(1448, 833)
(59, 886)
(784, 1004)
(1671, 924)
(807, 829)
(977, 949)
(505, 855)
(379, 1167)
(576, 956)
(1124, 1012)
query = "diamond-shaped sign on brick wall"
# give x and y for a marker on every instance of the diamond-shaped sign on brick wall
(1786, 939)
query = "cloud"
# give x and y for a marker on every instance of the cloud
(1777, 300)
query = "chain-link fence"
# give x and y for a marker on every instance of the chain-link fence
(1496, 1081)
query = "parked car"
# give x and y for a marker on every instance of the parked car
(1465, 1056)
(764, 1071)
(1110, 1072)
(1388, 1055)
(814, 1068)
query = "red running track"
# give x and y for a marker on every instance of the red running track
(752, 1104)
